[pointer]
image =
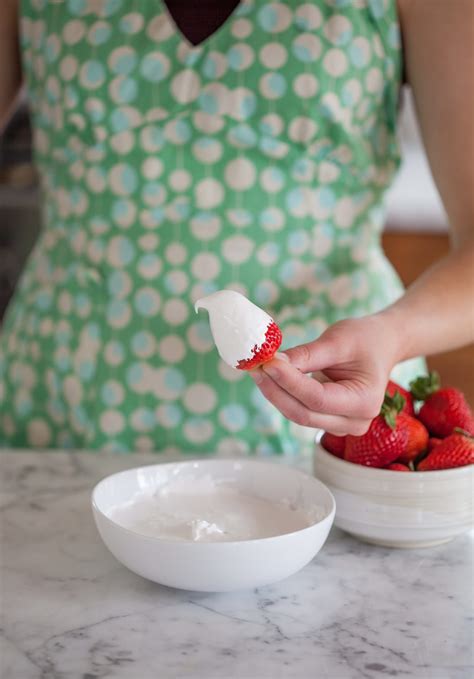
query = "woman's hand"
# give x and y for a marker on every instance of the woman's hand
(352, 360)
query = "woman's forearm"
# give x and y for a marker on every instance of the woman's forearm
(436, 313)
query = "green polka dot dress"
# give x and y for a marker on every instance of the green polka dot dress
(256, 161)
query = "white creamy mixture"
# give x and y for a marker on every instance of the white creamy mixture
(202, 510)
(237, 325)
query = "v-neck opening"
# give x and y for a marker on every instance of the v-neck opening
(203, 43)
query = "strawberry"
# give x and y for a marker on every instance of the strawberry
(266, 351)
(433, 442)
(386, 439)
(397, 467)
(334, 444)
(457, 450)
(443, 409)
(417, 440)
(393, 387)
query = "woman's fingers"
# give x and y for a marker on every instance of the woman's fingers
(329, 398)
(298, 412)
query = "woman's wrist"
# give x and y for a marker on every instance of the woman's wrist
(396, 334)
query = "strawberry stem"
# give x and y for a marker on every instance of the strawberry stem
(391, 406)
(425, 385)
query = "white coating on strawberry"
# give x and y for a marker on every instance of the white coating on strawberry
(237, 325)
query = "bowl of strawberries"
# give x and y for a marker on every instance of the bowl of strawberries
(409, 480)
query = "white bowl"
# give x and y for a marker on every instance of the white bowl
(215, 566)
(398, 509)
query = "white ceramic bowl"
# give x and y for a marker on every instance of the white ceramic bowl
(398, 509)
(215, 566)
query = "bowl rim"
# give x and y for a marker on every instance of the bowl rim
(186, 544)
(435, 475)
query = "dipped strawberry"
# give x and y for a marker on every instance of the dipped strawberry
(245, 335)
(444, 409)
(457, 450)
(392, 388)
(334, 444)
(386, 438)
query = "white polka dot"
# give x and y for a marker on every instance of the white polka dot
(273, 55)
(240, 57)
(305, 85)
(144, 444)
(338, 29)
(374, 80)
(241, 28)
(200, 398)
(340, 291)
(272, 85)
(160, 28)
(241, 104)
(209, 193)
(272, 219)
(68, 68)
(271, 180)
(335, 62)
(275, 17)
(72, 390)
(307, 47)
(230, 447)
(122, 142)
(151, 139)
(132, 23)
(199, 336)
(302, 129)
(177, 281)
(152, 168)
(308, 16)
(39, 433)
(73, 32)
(205, 266)
(198, 431)
(344, 213)
(172, 349)
(149, 266)
(112, 422)
(229, 374)
(175, 311)
(144, 344)
(272, 124)
(205, 226)
(180, 180)
(215, 98)
(237, 249)
(185, 86)
(240, 174)
(214, 65)
(207, 150)
(328, 172)
(360, 52)
(147, 301)
(207, 123)
(175, 254)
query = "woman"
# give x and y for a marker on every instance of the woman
(185, 148)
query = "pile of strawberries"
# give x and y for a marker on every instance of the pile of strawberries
(424, 429)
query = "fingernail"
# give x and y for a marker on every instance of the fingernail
(281, 356)
(256, 375)
(271, 368)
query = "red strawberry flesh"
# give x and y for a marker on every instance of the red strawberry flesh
(456, 450)
(265, 352)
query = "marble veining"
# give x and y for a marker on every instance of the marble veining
(69, 610)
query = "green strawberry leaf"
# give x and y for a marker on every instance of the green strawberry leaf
(391, 406)
(425, 385)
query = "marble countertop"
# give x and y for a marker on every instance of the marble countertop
(70, 611)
